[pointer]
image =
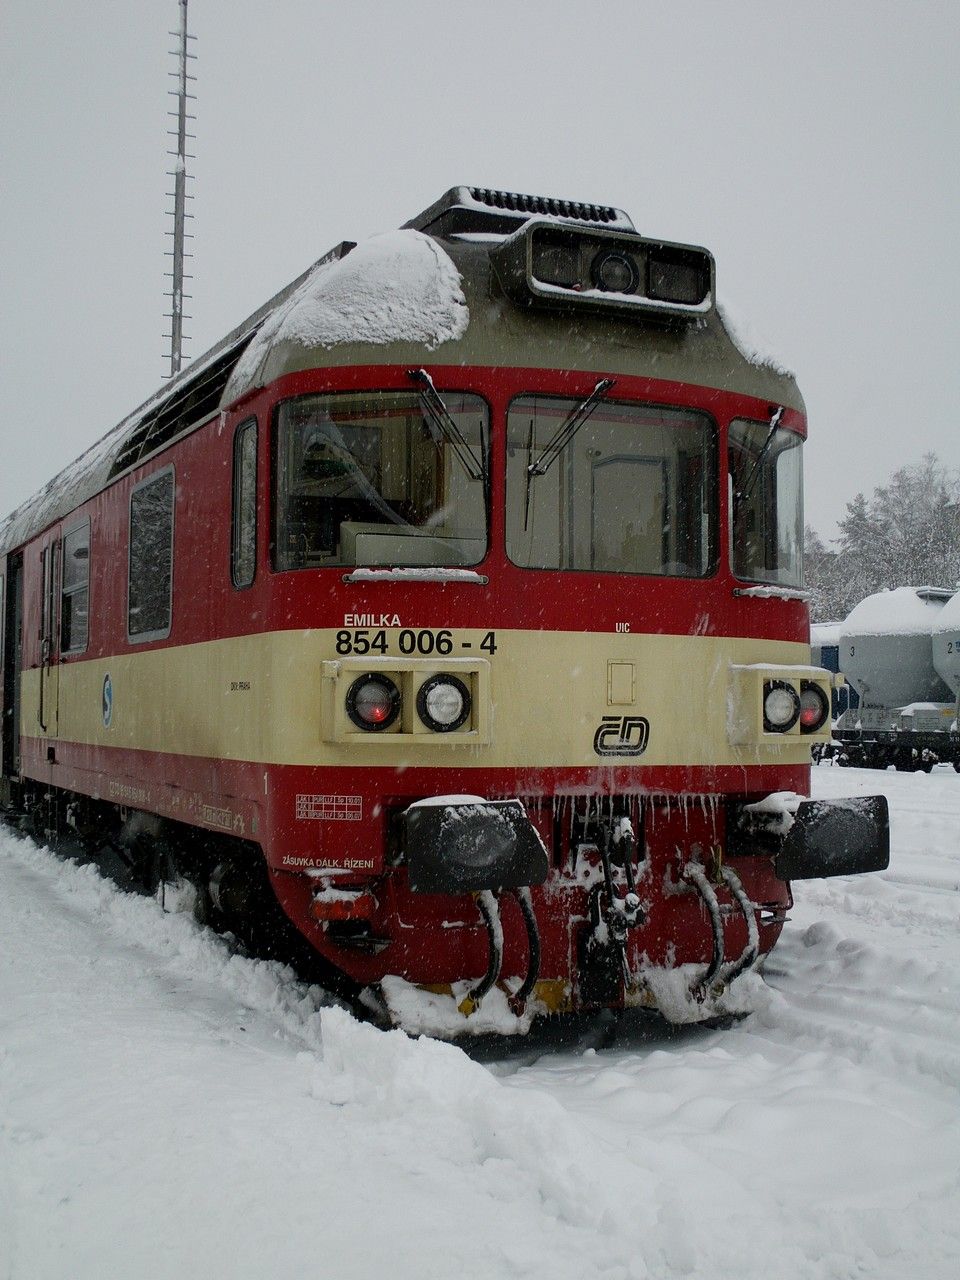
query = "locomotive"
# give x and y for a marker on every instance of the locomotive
(453, 602)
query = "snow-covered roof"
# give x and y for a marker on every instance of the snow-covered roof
(948, 618)
(900, 611)
(89, 473)
(748, 342)
(823, 634)
(396, 287)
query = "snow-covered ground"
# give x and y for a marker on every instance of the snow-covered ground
(170, 1110)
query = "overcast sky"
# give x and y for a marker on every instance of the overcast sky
(813, 147)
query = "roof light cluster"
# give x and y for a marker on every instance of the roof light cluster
(552, 264)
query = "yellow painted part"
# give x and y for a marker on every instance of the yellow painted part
(554, 995)
(278, 699)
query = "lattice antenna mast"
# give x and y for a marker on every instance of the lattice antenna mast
(176, 315)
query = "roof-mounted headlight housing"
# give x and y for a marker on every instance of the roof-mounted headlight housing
(552, 263)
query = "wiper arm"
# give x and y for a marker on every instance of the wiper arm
(743, 493)
(568, 429)
(561, 438)
(442, 427)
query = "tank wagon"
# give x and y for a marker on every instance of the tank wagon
(455, 597)
(946, 646)
(898, 649)
(825, 652)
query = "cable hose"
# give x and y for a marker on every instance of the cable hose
(525, 903)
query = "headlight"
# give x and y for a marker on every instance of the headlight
(781, 706)
(614, 272)
(814, 707)
(443, 703)
(373, 702)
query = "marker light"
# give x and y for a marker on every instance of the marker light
(373, 702)
(814, 707)
(443, 703)
(557, 262)
(677, 276)
(781, 706)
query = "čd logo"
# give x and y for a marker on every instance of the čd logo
(621, 736)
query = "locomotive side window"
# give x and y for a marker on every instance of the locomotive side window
(75, 589)
(150, 579)
(630, 489)
(371, 480)
(244, 542)
(766, 487)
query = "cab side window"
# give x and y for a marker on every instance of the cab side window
(75, 589)
(150, 573)
(243, 546)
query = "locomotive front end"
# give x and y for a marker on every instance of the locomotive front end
(456, 597)
(549, 582)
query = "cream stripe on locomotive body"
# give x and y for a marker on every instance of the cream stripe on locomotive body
(551, 418)
(277, 699)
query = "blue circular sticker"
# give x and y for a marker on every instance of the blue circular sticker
(107, 701)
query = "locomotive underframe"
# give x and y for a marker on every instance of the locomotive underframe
(689, 915)
(655, 900)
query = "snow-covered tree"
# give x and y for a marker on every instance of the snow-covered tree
(907, 534)
(823, 578)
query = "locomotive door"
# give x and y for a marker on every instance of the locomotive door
(47, 711)
(11, 659)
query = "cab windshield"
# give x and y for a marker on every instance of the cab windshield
(766, 503)
(373, 479)
(629, 488)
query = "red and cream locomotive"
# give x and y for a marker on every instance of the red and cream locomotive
(457, 595)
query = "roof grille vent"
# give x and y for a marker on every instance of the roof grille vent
(545, 206)
(466, 210)
(194, 397)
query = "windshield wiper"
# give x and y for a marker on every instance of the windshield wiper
(442, 426)
(562, 437)
(569, 428)
(743, 493)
